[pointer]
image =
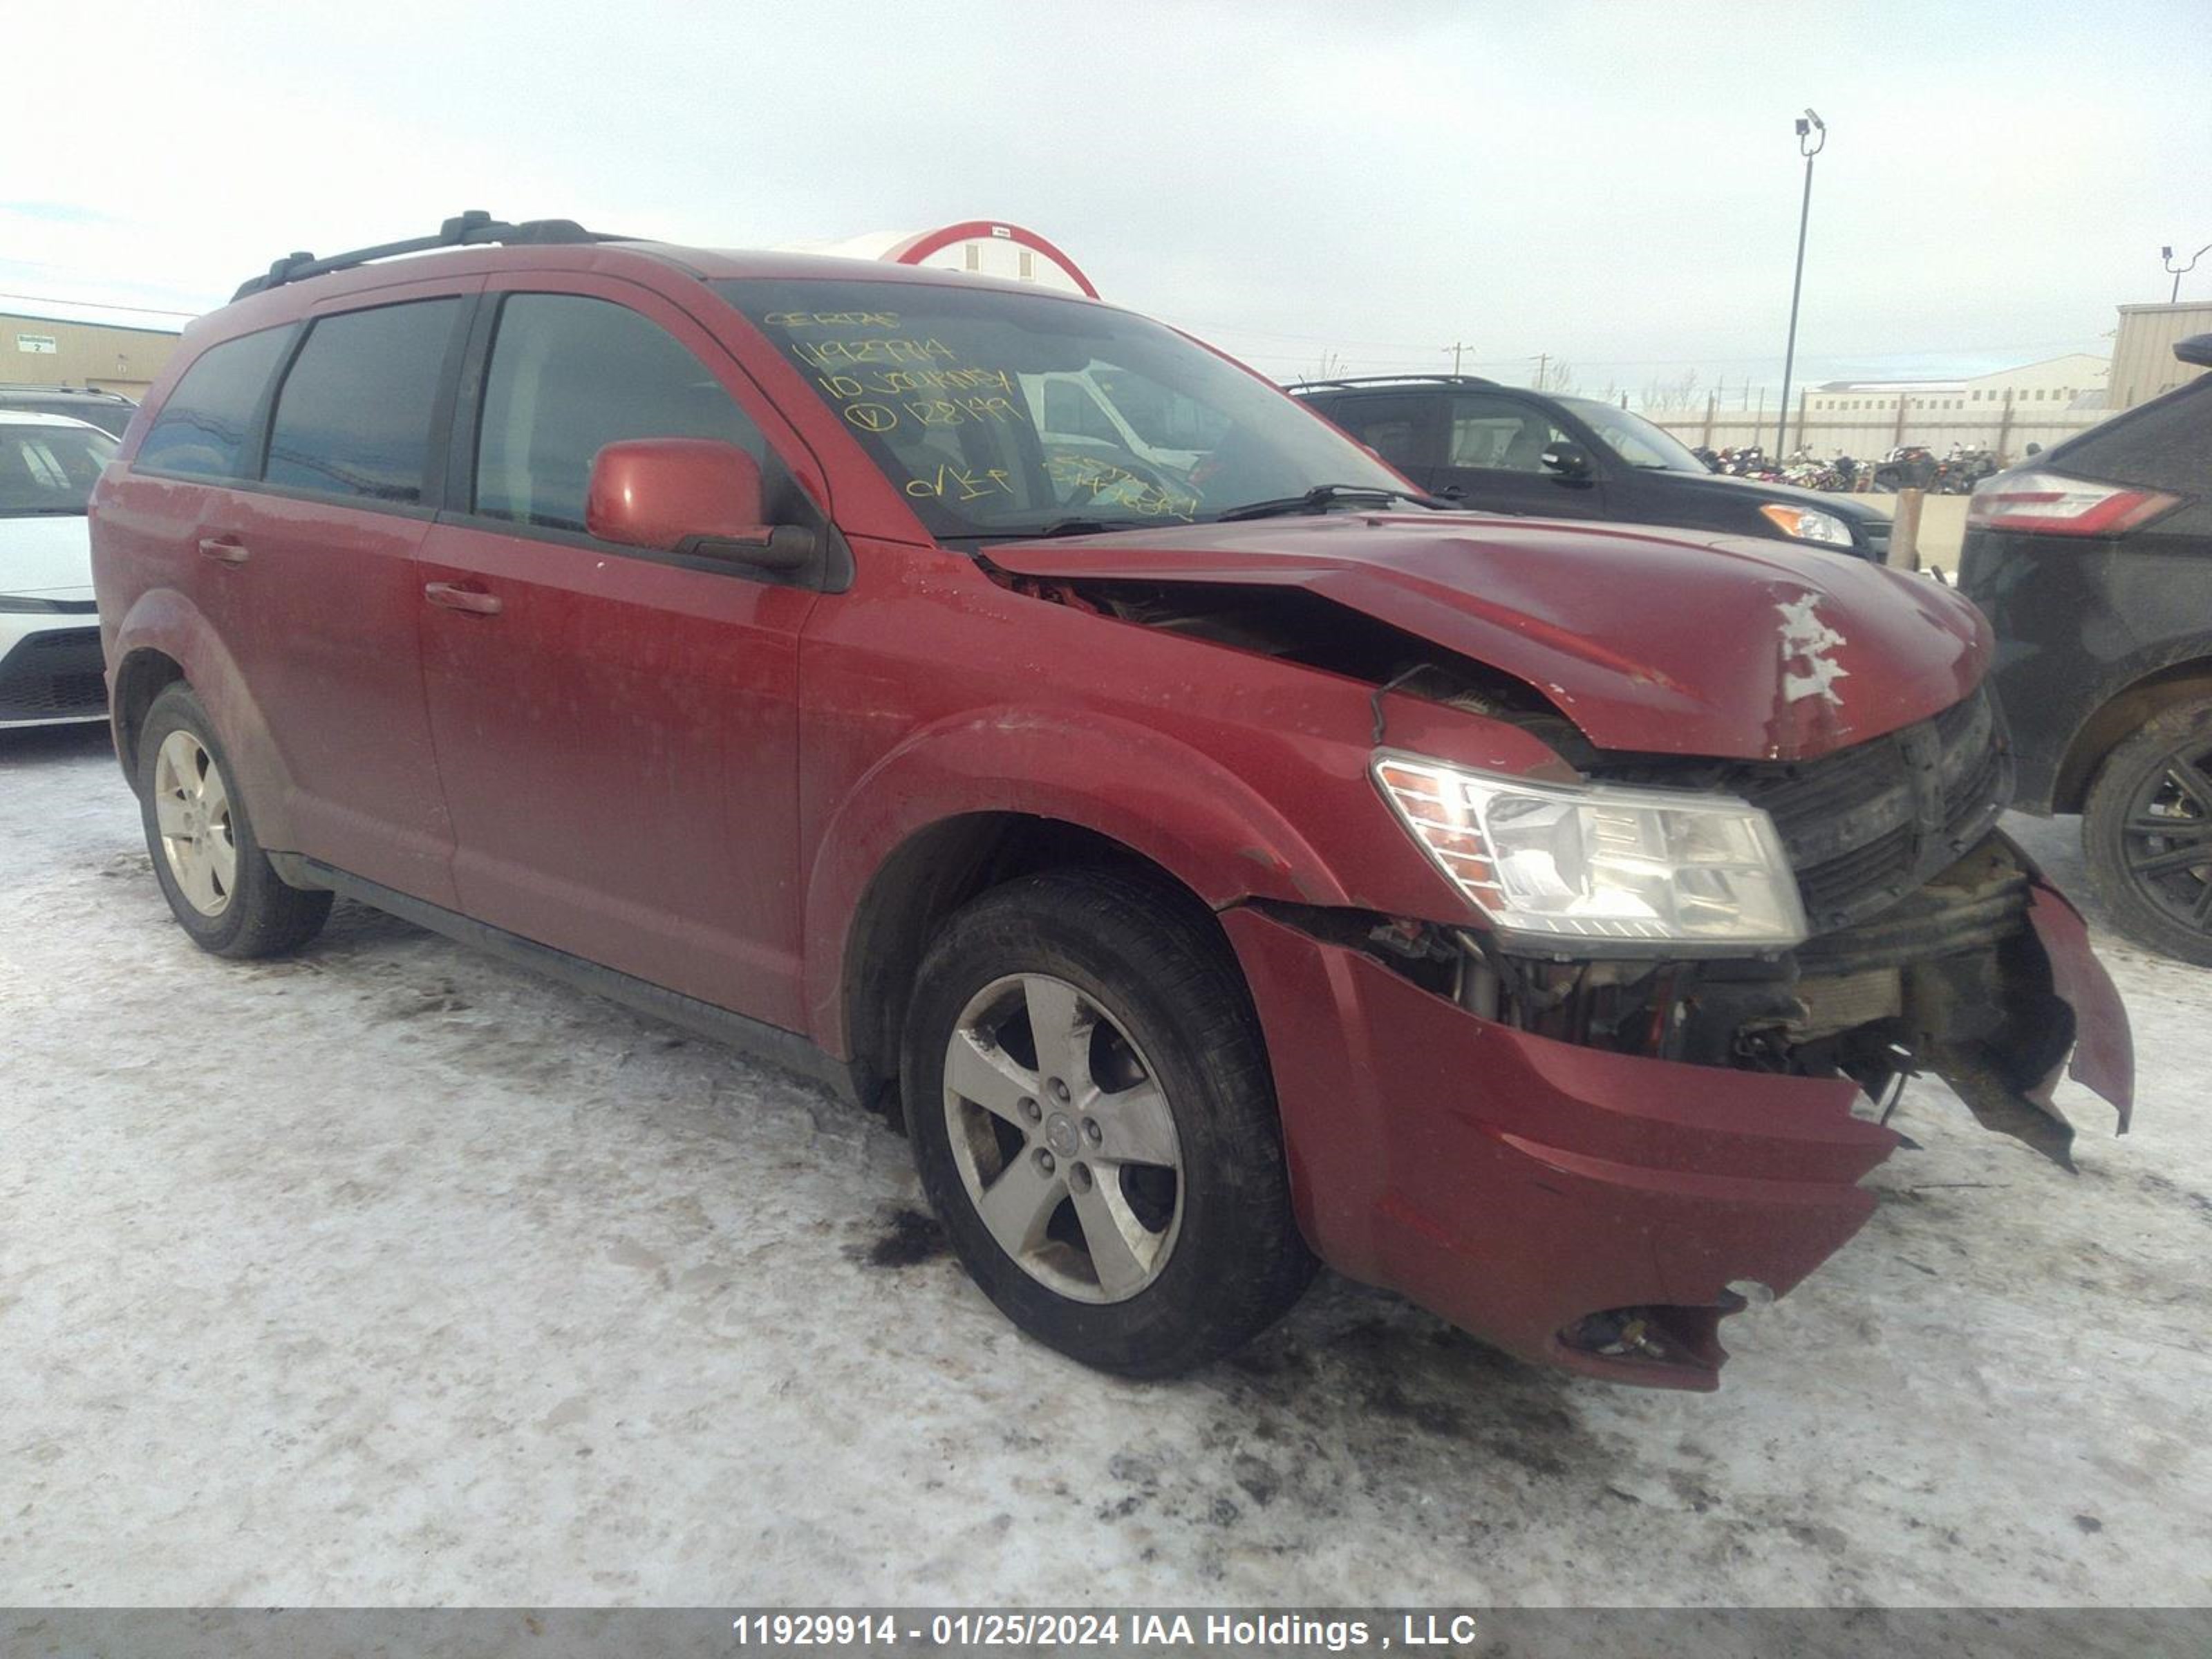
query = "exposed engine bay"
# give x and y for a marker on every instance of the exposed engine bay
(1921, 959)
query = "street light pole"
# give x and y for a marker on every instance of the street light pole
(1812, 139)
(2165, 257)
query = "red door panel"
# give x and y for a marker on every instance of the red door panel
(617, 733)
(618, 744)
(323, 625)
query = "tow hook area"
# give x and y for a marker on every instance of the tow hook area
(1656, 1333)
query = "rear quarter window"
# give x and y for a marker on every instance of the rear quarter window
(201, 430)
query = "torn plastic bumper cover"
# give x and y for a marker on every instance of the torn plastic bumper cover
(1588, 1208)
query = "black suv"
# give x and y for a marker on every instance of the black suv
(2095, 563)
(111, 412)
(1507, 449)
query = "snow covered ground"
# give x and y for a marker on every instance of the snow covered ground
(391, 1274)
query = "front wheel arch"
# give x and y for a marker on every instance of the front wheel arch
(929, 875)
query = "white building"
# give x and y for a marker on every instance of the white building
(2143, 364)
(986, 246)
(2034, 391)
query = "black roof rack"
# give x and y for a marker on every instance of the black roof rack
(2196, 349)
(1392, 380)
(470, 229)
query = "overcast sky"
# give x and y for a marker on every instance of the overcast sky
(1614, 184)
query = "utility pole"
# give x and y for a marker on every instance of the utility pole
(1456, 348)
(1812, 139)
(1542, 359)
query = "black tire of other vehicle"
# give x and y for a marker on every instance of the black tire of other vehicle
(1153, 961)
(265, 917)
(2185, 729)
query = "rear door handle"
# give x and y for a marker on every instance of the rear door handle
(227, 549)
(474, 600)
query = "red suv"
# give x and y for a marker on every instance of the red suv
(1027, 718)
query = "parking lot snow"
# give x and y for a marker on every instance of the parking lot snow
(390, 1273)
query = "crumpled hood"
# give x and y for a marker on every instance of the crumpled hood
(48, 556)
(1663, 641)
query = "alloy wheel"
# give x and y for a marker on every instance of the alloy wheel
(1064, 1138)
(2166, 838)
(191, 808)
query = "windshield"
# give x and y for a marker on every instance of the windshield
(1005, 414)
(49, 469)
(1635, 438)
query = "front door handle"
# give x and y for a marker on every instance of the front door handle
(474, 600)
(226, 550)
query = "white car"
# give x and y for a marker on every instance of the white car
(50, 665)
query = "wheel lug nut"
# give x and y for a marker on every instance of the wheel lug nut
(1080, 1177)
(1092, 1132)
(1044, 1160)
(1031, 1110)
(1058, 1090)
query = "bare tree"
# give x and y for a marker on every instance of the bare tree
(1670, 392)
(1557, 375)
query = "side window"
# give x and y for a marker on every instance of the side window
(1393, 427)
(1499, 434)
(1164, 419)
(571, 375)
(201, 429)
(1070, 411)
(353, 417)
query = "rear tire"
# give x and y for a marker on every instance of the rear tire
(2147, 832)
(1110, 1111)
(219, 883)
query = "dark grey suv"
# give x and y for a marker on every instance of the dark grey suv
(2095, 563)
(1508, 449)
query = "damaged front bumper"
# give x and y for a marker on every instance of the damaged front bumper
(1591, 1208)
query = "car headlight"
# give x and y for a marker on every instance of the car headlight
(1598, 861)
(1807, 524)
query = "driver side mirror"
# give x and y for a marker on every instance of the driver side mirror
(695, 497)
(1566, 460)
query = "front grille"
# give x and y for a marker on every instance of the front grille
(1979, 901)
(1868, 824)
(53, 676)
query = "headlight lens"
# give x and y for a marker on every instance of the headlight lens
(1598, 861)
(1807, 524)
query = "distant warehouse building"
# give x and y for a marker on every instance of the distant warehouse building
(2143, 364)
(41, 350)
(2035, 392)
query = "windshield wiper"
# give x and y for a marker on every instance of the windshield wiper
(1322, 497)
(1056, 527)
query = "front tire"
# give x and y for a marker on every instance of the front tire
(1088, 1094)
(220, 884)
(2147, 832)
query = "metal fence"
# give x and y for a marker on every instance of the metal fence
(2006, 433)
